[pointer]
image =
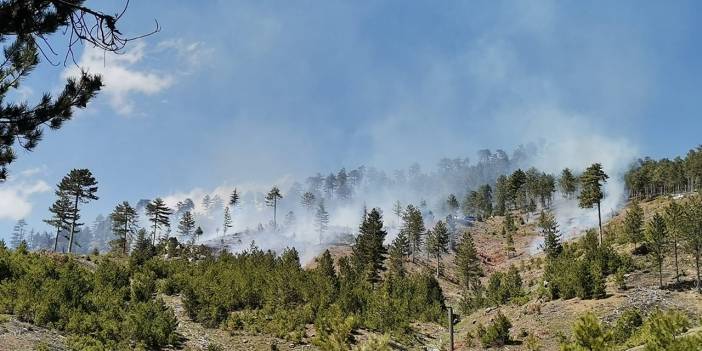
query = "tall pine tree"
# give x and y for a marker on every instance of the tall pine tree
(158, 214)
(591, 193)
(437, 243)
(368, 251)
(80, 187)
(125, 221)
(272, 200)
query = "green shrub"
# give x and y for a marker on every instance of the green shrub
(497, 333)
(153, 323)
(143, 286)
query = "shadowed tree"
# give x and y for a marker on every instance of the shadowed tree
(693, 236)
(272, 201)
(452, 204)
(591, 190)
(80, 187)
(413, 227)
(61, 218)
(368, 251)
(468, 264)
(158, 213)
(552, 238)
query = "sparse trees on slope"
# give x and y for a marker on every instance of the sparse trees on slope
(656, 239)
(158, 213)
(368, 251)
(633, 223)
(437, 243)
(413, 227)
(124, 223)
(568, 183)
(80, 186)
(272, 201)
(591, 194)
(675, 226)
(61, 218)
(186, 226)
(321, 219)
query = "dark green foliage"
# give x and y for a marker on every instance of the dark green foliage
(125, 221)
(143, 250)
(272, 200)
(591, 193)
(497, 333)
(468, 263)
(437, 242)
(568, 183)
(186, 226)
(95, 309)
(413, 228)
(62, 217)
(552, 237)
(504, 287)
(368, 251)
(633, 223)
(648, 177)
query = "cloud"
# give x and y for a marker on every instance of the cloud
(121, 76)
(195, 54)
(16, 194)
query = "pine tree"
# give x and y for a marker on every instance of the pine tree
(330, 185)
(368, 251)
(675, 226)
(125, 221)
(307, 200)
(143, 249)
(22, 26)
(468, 263)
(552, 237)
(61, 218)
(197, 234)
(693, 236)
(413, 227)
(321, 219)
(437, 243)
(397, 256)
(227, 221)
(272, 201)
(207, 202)
(343, 190)
(501, 195)
(158, 214)
(568, 183)
(634, 222)
(325, 266)
(397, 210)
(18, 233)
(80, 186)
(591, 194)
(452, 203)
(509, 242)
(234, 198)
(656, 239)
(186, 227)
(509, 222)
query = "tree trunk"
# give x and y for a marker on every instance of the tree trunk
(599, 219)
(438, 257)
(73, 225)
(58, 231)
(697, 263)
(126, 228)
(660, 272)
(675, 253)
(275, 205)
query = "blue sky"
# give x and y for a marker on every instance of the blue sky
(233, 92)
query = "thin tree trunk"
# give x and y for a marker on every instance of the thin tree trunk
(73, 225)
(58, 231)
(126, 226)
(599, 219)
(675, 253)
(697, 263)
(437, 266)
(660, 272)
